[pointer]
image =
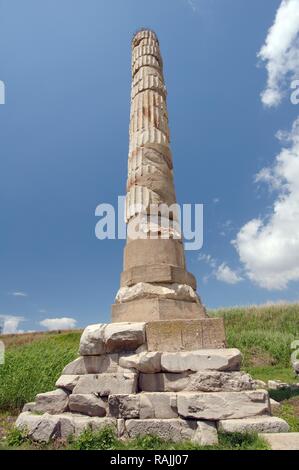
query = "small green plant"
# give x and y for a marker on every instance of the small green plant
(149, 442)
(242, 441)
(105, 439)
(15, 437)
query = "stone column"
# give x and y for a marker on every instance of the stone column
(155, 284)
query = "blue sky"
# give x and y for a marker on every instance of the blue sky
(64, 145)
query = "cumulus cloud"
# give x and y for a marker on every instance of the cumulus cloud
(269, 247)
(225, 274)
(64, 323)
(10, 324)
(280, 52)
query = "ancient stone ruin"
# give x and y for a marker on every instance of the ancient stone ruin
(161, 367)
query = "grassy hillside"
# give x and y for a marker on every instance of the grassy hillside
(33, 362)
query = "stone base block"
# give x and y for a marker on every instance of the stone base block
(156, 309)
(216, 406)
(283, 441)
(185, 335)
(257, 424)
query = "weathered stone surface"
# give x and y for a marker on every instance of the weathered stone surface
(277, 385)
(88, 404)
(40, 428)
(158, 405)
(29, 406)
(168, 429)
(185, 335)
(222, 405)
(107, 384)
(156, 309)
(75, 424)
(124, 336)
(124, 406)
(92, 340)
(205, 434)
(147, 362)
(93, 365)
(256, 424)
(158, 273)
(145, 290)
(295, 365)
(274, 404)
(52, 402)
(108, 338)
(202, 381)
(67, 381)
(283, 441)
(211, 359)
(259, 384)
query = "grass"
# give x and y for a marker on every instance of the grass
(264, 336)
(289, 411)
(107, 440)
(33, 367)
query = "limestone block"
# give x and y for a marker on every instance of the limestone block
(277, 385)
(158, 405)
(274, 404)
(147, 362)
(93, 365)
(52, 402)
(149, 117)
(124, 406)
(147, 252)
(88, 404)
(124, 336)
(92, 340)
(160, 190)
(202, 381)
(107, 384)
(282, 441)
(144, 290)
(180, 335)
(259, 424)
(205, 434)
(153, 227)
(215, 406)
(38, 428)
(121, 429)
(203, 359)
(67, 381)
(148, 99)
(29, 406)
(156, 309)
(295, 365)
(174, 429)
(158, 273)
(75, 424)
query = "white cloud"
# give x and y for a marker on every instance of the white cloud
(10, 324)
(225, 274)
(208, 259)
(216, 200)
(269, 248)
(64, 323)
(192, 4)
(280, 52)
(19, 294)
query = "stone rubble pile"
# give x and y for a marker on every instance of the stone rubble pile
(175, 394)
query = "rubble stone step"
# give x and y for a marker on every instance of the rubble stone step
(223, 405)
(203, 381)
(107, 383)
(283, 441)
(260, 424)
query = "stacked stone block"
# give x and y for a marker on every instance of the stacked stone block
(175, 393)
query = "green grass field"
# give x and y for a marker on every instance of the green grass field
(33, 362)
